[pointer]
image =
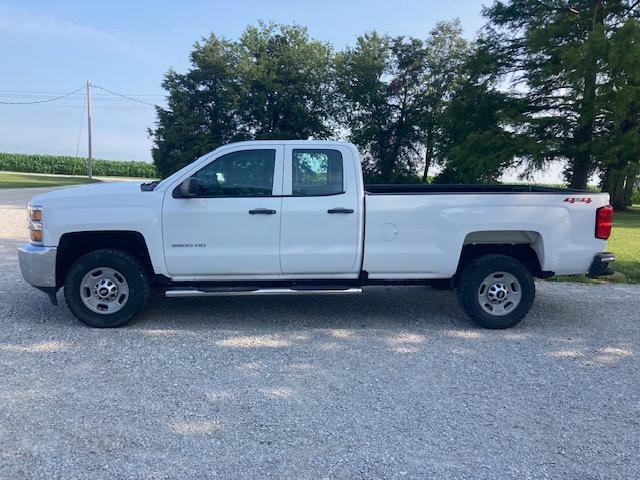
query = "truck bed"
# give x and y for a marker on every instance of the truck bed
(418, 231)
(424, 189)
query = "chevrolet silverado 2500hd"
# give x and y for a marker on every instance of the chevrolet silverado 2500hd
(294, 217)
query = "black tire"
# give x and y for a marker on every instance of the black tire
(134, 273)
(470, 283)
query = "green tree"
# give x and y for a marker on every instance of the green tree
(202, 112)
(380, 86)
(552, 52)
(446, 53)
(286, 83)
(274, 82)
(479, 139)
(618, 147)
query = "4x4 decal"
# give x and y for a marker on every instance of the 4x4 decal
(578, 199)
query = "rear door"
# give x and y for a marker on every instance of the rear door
(321, 212)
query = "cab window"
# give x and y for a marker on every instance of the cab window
(245, 173)
(317, 172)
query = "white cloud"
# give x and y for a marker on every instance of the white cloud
(24, 22)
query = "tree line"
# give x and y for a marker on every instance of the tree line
(544, 81)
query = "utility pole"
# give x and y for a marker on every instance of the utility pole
(90, 164)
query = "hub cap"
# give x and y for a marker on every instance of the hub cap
(104, 290)
(499, 294)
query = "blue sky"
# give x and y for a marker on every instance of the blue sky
(55, 47)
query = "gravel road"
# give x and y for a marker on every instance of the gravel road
(394, 383)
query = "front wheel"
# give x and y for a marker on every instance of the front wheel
(496, 291)
(106, 288)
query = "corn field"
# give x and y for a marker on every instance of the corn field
(63, 165)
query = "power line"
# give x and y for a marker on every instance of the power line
(52, 99)
(116, 108)
(105, 97)
(101, 96)
(70, 97)
(125, 96)
(48, 92)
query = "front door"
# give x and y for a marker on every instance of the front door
(232, 228)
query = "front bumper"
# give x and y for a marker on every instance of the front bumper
(38, 265)
(601, 265)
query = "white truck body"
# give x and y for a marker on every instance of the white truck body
(371, 234)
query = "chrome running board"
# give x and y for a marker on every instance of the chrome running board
(194, 292)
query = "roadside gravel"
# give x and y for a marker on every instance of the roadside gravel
(394, 383)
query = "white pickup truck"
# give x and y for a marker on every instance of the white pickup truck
(294, 217)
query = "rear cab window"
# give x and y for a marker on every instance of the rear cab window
(317, 172)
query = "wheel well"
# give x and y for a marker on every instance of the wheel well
(74, 245)
(522, 252)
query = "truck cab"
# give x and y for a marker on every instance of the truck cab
(249, 214)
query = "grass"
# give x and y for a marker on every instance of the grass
(625, 243)
(14, 180)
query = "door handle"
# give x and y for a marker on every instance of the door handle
(340, 210)
(262, 211)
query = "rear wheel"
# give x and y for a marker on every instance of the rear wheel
(496, 291)
(106, 288)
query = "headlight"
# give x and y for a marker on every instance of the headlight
(35, 224)
(35, 213)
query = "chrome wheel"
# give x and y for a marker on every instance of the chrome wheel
(499, 294)
(104, 290)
